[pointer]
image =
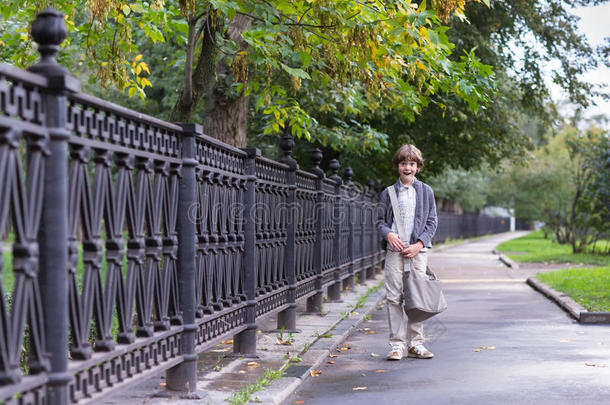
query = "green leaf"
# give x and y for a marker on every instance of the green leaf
(296, 72)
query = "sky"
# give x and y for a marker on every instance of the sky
(595, 24)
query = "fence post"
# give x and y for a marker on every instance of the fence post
(287, 318)
(244, 343)
(348, 173)
(49, 31)
(183, 377)
(314, 303)
(334, 290)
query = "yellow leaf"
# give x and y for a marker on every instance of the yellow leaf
(476, 350)
(144, 67)
(330, 362)
(381, 371)
(138, 70)
(138, 57)
(333, 355)
(227, 342)
(253, 364)
(315, 373)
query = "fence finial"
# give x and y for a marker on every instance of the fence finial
(316, 158)
(348, 173)
(334, 167)
(49, 31)
(286, 146)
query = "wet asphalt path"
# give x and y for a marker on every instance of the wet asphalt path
(500, 342)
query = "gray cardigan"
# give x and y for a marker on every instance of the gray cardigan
(425, 222)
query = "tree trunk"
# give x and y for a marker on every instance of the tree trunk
(225, 117)
(203, 76)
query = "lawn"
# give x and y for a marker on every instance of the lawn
(587, 286)
(535, 248)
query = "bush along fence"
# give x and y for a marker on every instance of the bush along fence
(454, 226)
(137, 243)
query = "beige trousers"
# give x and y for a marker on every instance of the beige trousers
(402, 332)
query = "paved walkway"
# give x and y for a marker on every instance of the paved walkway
(499, 342)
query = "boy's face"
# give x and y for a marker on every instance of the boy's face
(407, 170)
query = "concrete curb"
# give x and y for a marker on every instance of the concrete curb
(566, 302)
(506, 260)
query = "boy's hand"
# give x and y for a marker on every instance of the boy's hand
(412, 250)
(395, 243)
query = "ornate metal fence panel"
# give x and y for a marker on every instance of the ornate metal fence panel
(328, 230)
(122, 210)
(23, 148)
(357, 216)
(218, 217)
(343, 256)
(271, 222)
(305, 232)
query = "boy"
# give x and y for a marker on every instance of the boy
(418, 212)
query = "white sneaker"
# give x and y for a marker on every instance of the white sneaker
(420, 352)
(395, 353)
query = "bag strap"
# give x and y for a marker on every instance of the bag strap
(397, 217)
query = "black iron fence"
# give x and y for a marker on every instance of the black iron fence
(131, 244)
(454, 226)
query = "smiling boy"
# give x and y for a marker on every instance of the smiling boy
(418, 212)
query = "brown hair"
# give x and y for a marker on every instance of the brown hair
(408, 152)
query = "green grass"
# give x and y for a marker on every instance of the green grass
(243, 396)
(587, 286)
(536, 249)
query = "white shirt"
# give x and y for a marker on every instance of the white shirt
(406, 206)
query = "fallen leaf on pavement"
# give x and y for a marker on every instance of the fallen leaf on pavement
(315, 373)
(330, 362)
(344, 348)
(253, 364)
(476, 350)
(358, 388)
(374, 355)
(299, 402)
(241, 372)
(565, 340)
(163, 384)
(333, 355)
(226, 349)
(488, 347)
(600, 365)
(227, 342)
(370, 332)
(366, 329)
(381, 371)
